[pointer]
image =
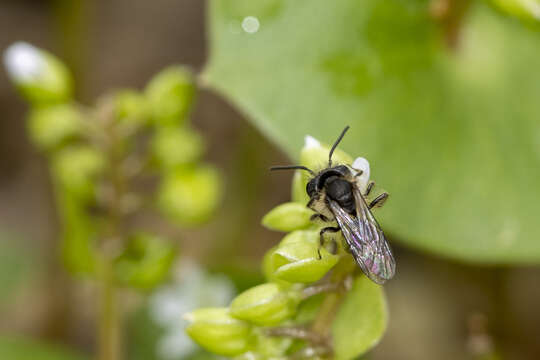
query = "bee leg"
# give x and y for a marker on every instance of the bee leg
(318, 216)
(378, 201)
(321, 239)
(359, 172)
(369, 187)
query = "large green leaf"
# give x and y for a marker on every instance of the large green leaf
(360, 321)
(452, 133)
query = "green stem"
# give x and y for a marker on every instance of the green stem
(110, 320)
(328, 310)
(109, 327)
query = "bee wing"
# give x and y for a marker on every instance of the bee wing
(366, 240)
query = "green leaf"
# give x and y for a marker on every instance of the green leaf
(451, 133)
(528, 10)
(24, 349)
(361, 320)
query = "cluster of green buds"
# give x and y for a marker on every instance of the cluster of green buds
(133, 151)
(315, 304)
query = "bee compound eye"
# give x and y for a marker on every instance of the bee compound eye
(311, 187)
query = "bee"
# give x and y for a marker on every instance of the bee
(336, 197)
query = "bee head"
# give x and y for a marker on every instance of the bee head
(318, 182)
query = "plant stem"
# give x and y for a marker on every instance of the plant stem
(328, 310)
(110, 319)
(109, 327)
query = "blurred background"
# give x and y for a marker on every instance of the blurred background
(439, 308)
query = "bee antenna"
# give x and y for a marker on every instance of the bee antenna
(335, 145)
(289, 167)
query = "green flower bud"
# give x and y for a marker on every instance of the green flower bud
(523, 9)
(288, 217)
(76, 167)
(215, 330)
(49, 126)
(296, 258)
(273, 347)
(266, 304)
(145, 262)
(299, 181)
(170, 94)
(132, 107)
(190, 196)
(40, 77)
(174, 147)
(267, 265)
(315, 156)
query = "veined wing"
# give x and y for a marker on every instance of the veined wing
(366, 240)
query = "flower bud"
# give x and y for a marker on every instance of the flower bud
(75, 168)
(145, 262)
(131, 107)
(314, 155)
(215, 330)
(273, 347)
(298, 188)
(296, 258)
(41, 77)
(170, 95)
(174, 147)
(266, 304)
(49, 126)
(190, 196)
(288, 217)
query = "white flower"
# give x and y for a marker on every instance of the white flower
(361, 164)
(310, 142)
(193, 288)
(24, 62)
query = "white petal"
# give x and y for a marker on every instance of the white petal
(24, 62)
(310, 142)
(361, 164)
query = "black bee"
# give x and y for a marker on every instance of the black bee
(335, 195)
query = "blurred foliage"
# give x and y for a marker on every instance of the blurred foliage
(451, 128)
(131, 151)
(17, 266)
(23, 349)
(146, 261)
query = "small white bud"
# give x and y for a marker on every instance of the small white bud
(25, 63)
(310, 142)
(39, 76)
